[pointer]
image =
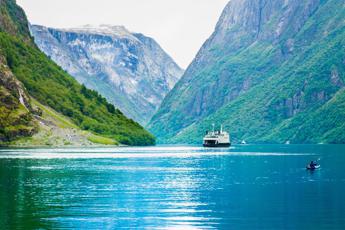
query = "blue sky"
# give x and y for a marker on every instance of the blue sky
(179, 26)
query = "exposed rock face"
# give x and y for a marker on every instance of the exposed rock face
(11, 84)
(15, 109)
(13, 20)
(242, 24)
(258, 44)
(129, 69)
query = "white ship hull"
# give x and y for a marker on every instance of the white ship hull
(217, 139)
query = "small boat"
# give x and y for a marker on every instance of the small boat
(217, 138)
(243, 142)
(313, 166)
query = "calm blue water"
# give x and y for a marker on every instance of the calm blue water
(245, 187)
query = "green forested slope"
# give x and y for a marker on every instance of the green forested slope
(51, 86)
(275, 79)
(303, 102)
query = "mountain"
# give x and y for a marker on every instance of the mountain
(272, 71)
(38, 99)
(131, 70)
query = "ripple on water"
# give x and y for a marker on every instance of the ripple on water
(128, 153)
(172, 188)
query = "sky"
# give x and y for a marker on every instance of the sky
(179, 26)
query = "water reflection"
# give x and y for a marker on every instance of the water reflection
(251, 187)
(21, 201)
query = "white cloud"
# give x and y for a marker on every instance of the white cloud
(179, 26)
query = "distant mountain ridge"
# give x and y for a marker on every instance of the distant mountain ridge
(272, 71)
(131, 70)
(41, 102)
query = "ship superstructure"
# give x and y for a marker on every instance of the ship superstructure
(217, 138)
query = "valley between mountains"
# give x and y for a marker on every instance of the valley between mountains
(273, 71)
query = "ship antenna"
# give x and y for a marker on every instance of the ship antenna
(213, 127)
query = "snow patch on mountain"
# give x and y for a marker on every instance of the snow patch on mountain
(131, 70)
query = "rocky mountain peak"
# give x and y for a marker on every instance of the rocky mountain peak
(130, 69)
(103, 29)
(245, 21)
(253, 41)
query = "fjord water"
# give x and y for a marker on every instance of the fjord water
(244, 187)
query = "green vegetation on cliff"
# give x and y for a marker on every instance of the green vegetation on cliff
(15, 119)
(272, 72)
(53, 87)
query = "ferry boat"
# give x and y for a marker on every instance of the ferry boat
(217, 138)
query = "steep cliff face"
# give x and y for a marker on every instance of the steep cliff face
(130, 70)
(16, 118)
(267, 63)
(13, 20)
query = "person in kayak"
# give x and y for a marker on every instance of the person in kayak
(313, 164)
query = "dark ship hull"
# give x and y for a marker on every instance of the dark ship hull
(217, 145)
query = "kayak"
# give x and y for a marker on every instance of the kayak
(309, 167)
